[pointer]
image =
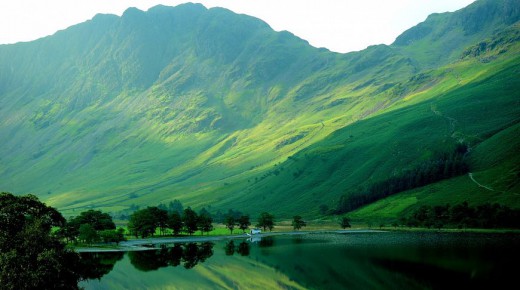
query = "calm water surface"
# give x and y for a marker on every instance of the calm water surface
(386, 260)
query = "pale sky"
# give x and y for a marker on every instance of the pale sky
(339, 25)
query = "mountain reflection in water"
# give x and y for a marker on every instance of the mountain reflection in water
(386, 260)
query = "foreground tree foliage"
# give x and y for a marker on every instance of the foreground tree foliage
(30, 256)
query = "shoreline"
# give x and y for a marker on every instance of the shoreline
(151, 243)
(154, 242)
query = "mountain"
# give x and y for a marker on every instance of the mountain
(439, 39)
(219, 111)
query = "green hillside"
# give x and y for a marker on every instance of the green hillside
(219, 111)
(438, 39)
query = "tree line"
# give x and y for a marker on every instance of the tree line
(242, 223)
(443, 166)
(94, 226)
(144, 222)
(463, 216)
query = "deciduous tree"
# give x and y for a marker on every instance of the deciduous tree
(175, 223)
(230, 223)
(345, 223)
(190, 221)
(142, 223)
(205, 223)
(97, 220)
(266, 221)
(298, 222)
(160, 217)
(112, 236)
(244, 222)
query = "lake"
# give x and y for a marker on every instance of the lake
(363, 260)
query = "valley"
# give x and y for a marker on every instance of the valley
(219, 111)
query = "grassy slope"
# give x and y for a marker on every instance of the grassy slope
(494, 164)
(493, 160)
(481, 98)
(337, 164)
(185, 137)
(283, 126)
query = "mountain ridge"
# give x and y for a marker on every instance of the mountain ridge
(479, 20)
(213, 108)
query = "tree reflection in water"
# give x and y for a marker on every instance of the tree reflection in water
(266, 242)
(189, 254)
(229, 248)
(244, 248)
(149, 260)
(175, 255)
(96, 265)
